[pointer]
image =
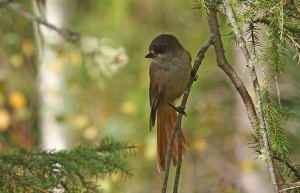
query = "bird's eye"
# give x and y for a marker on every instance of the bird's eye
(161, 49)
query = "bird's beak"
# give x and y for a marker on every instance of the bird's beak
(150, 55)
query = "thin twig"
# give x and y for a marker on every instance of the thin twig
(289, 35)
(279, 177)
(294, 43)
(179, 162)
(250, 63)
(177, 125)
(290, 186)
(39, 189)
(289, 38)
(67, 34)
(266, 14)
(277, 90)
(288, 164)
(292, 39)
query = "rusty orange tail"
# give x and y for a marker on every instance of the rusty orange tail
(166, 118)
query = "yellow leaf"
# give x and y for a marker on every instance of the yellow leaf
(16, 60)
(80, 121)
(115, 176)
(105, 184)
(128, 108)
(247, 165)
(150, 150)
(27, 48)
(200, 145)
(4, 120)
(17, 100)
(90, 133)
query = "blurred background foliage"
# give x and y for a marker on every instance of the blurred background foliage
(118, 105)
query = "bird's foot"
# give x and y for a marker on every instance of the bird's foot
(194, 75)
(179, 109)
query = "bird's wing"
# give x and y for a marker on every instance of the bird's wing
(155, 92)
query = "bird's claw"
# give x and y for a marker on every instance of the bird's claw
(194, 75)
(179, 109)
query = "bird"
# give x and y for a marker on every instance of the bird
(170, 72)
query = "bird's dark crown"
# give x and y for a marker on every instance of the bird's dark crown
(164, 43)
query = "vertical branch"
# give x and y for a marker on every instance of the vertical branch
(169, 152)
(197, 63)
(224, 65)
(250, 64)
(178, 168)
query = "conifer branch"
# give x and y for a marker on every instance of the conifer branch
(265, 114)
(295, 44)
(71, 170)
(293, 167)
(289, 186)
(250, 64)
(291, 35)
(264, 15)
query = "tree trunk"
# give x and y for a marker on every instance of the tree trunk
(51, 73)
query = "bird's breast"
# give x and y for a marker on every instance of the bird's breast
(175, 83)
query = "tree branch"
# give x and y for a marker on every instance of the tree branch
(296, 45)
(266, 14)
(67, 34)
(290, 186)
(250, 64)
(178, 168)
(224, 65)
(39, 170)
(177, 126)
(287, 162)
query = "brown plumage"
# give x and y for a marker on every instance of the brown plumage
(169, 73)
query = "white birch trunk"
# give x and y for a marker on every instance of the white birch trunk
(51, 73)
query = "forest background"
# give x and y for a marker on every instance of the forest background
(100, 101)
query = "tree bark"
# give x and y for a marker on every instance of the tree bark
(51, 73)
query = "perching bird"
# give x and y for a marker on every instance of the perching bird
(170, 72)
